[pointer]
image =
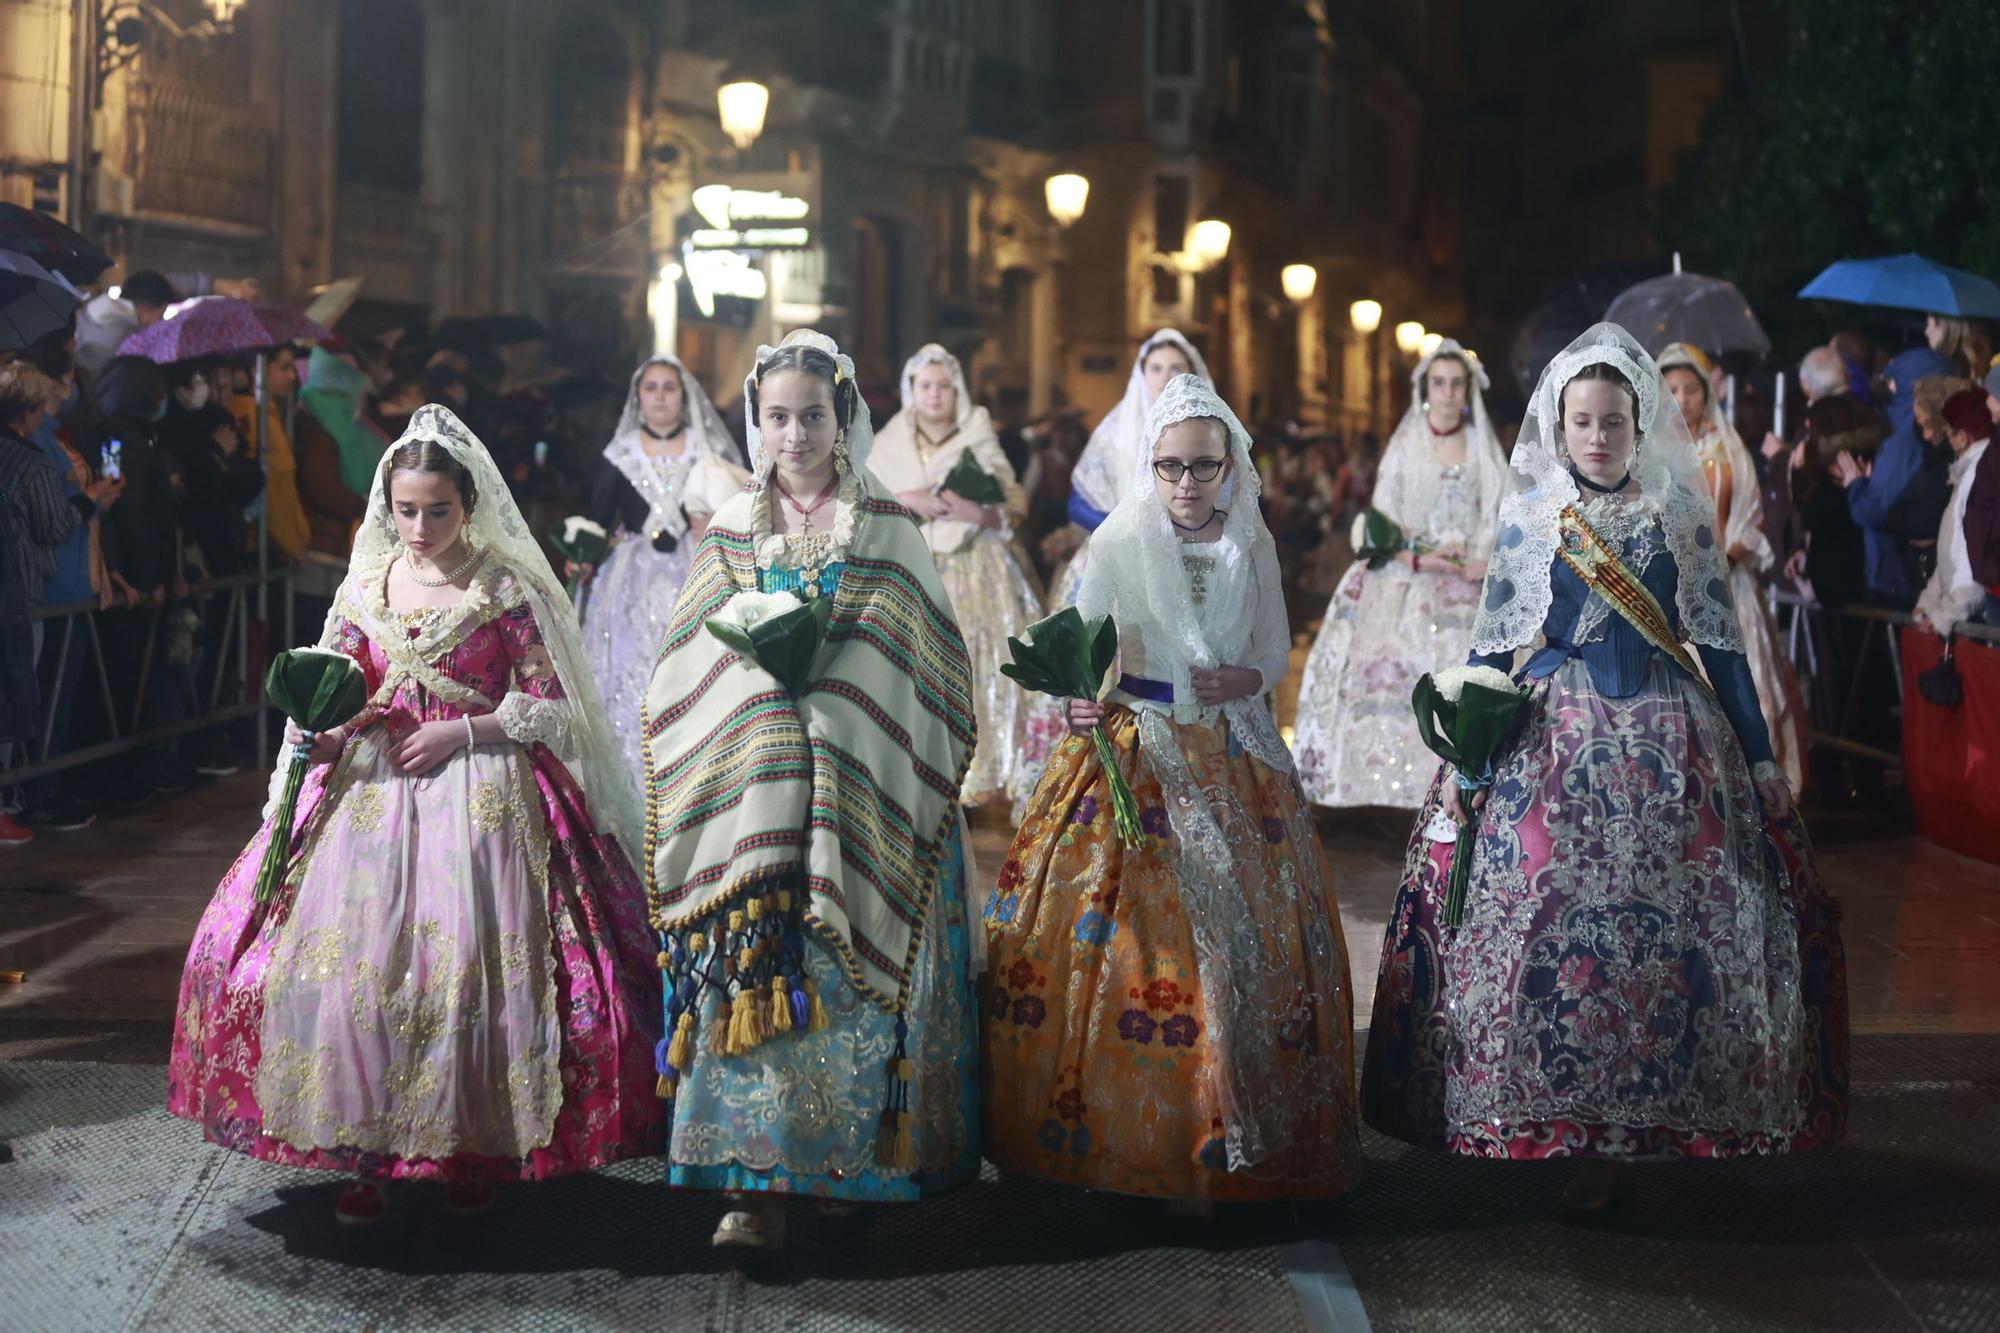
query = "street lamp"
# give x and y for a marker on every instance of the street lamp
(741, 106)
(1209, 242)
(1299, 281)
(1430, 343)
(1409, 335)
(1066, 194)
(1365, 316)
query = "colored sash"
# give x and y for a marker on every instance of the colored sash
(1611, 578)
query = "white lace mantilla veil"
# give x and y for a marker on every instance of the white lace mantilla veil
(1411, 443)
(1110, 461)
(936, 354)
(1137, 571)
(1664, 468)
(585, 743)
(708, 441)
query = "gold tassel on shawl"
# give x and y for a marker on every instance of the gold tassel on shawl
(895, 1145)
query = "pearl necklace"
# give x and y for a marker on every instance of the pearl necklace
(471, 558)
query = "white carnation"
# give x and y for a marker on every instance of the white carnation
(335, 654)
(576, 524)
(1451, 682)
(1360, 532)
(747, 609)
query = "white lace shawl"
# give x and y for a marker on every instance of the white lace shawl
(899, 465)
(1410, 479)
(1518, 591)
(695, 482)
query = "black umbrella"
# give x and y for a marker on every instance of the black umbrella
(33, 302)
(1567, 312)
(49, 243)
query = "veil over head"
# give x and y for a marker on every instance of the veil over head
(585, 743)
(1110, 462)
(1406, 483)
(1667, 474)
(707, 436)
(860, 428)
(936, 354)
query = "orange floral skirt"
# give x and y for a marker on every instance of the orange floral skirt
(1099, 1066)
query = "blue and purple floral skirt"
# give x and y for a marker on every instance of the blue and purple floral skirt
(1646, 968)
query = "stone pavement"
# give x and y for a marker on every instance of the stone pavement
(115, 1215)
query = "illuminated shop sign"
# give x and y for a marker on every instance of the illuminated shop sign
(713, 273)
(740, 219)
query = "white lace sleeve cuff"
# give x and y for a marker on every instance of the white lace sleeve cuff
(527, 720)
(1766, 770)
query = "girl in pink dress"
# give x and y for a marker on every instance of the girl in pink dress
(455, 981)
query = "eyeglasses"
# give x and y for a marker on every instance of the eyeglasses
(1171, 470)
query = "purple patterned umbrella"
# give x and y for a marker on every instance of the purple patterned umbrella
(220, 326)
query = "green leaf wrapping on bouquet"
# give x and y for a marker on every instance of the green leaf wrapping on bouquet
(1471, 733)
(1064, 655)
(581, 542)
(968, 479)
(784, 645)
(318, 690)
(1070, 658)
(1378, 538)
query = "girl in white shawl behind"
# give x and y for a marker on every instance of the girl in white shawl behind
(1110, 461)
(666, 471)
(1441, 480)
(914, 455)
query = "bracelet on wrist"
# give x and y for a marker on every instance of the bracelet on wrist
(470, 739)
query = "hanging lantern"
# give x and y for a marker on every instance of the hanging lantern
(741, 106)
(1067, 194)
(1409, 335)
(1208, 243)
(1365, 316)
(1299, 282)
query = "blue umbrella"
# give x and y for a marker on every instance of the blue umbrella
(1908, 282)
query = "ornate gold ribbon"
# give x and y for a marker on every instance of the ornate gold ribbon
(1606, 574)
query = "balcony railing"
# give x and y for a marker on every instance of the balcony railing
(197, 155)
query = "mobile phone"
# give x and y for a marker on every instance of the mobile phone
(112, 458)
(541, 453)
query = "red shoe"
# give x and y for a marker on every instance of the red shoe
(468, 1198)
(13, 834)
(365, 1203)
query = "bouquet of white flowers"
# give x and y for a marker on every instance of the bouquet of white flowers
(581, 542)
(776, 631)
(1469, 717)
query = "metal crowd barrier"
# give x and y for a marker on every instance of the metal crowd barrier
(78, 632)
(1797, 617)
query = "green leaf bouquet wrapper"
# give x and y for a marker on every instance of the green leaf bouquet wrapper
(1469, 717)
(1070, 658)
(318, 689)
(1377, 537)
(974, 482)
(581, 542)
(777, 631)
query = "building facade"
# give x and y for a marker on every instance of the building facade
(567, 161)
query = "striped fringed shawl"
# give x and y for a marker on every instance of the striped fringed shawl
(858, 780)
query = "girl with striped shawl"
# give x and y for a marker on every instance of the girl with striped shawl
(805, 855)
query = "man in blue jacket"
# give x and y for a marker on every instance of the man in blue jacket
(1874, 487)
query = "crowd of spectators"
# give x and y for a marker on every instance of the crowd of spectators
(128, 489)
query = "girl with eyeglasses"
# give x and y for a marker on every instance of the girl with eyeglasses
(1173, 1019)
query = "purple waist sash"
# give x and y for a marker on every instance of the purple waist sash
(1140, 687)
